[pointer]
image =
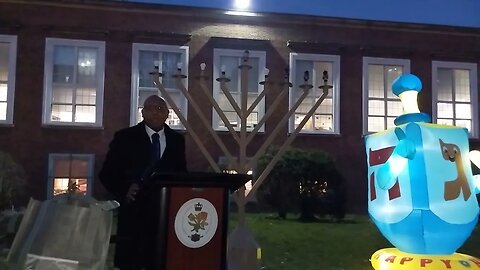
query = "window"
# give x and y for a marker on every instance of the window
(326, 118)
(380, 105)
(70, 171)
(229, 61)
(74, 76)
(168, 58)
(8, 56)
(454, 95)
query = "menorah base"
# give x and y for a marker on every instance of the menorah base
(243, 250)
(394, 259)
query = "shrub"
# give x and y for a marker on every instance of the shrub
(302, 181)
(12, 181)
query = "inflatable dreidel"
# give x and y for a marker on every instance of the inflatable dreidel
(421, 191)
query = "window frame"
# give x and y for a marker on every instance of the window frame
(135, 88)
(366, 61)
(12, 62)
(52, 157)
(219, 52)
(472, 68)
(50, 43)
(335, 60)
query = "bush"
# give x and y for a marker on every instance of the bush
(302, 181)
(12, 181)
(9, 224)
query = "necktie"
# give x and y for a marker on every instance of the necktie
(155, 147)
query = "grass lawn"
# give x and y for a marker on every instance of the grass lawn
(292, 245)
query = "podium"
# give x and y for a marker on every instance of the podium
(193, 219)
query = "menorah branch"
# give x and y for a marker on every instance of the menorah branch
(203, 119)
(184, 121)
(219, 111)
(269, 112)
(228, 95)
(278, 127)
(287, 143)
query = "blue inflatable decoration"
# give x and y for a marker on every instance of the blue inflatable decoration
(421, 191)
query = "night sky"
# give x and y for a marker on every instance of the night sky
(442, 12)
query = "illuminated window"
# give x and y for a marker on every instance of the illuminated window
(380, 105)
(326, 118)
(168, 58)
(8, 56)
(74, 75)
(70, 172)
(229, 61)
(454, 95)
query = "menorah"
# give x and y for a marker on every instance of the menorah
(243, 137)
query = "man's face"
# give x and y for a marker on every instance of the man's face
(155, 112)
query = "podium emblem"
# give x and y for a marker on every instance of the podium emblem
(196, 223)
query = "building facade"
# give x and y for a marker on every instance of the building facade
(74, 72)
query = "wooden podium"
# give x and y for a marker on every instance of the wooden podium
(190, 205)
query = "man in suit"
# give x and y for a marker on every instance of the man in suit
(133, 155)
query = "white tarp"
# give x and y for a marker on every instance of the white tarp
(69, 232)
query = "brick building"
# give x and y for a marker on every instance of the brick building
(73, 72)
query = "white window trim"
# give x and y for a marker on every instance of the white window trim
(56, 156)
(376, 61)
(136, 48)
(472, 67)
(335, 59)
(48, 76)
(12, 62)
(217, 53)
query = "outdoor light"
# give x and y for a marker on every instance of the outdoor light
(241, 8)
(242, 4)
(203, 66)
(241, 13)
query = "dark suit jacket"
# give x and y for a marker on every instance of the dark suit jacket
(129, 161)
(128, 158)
